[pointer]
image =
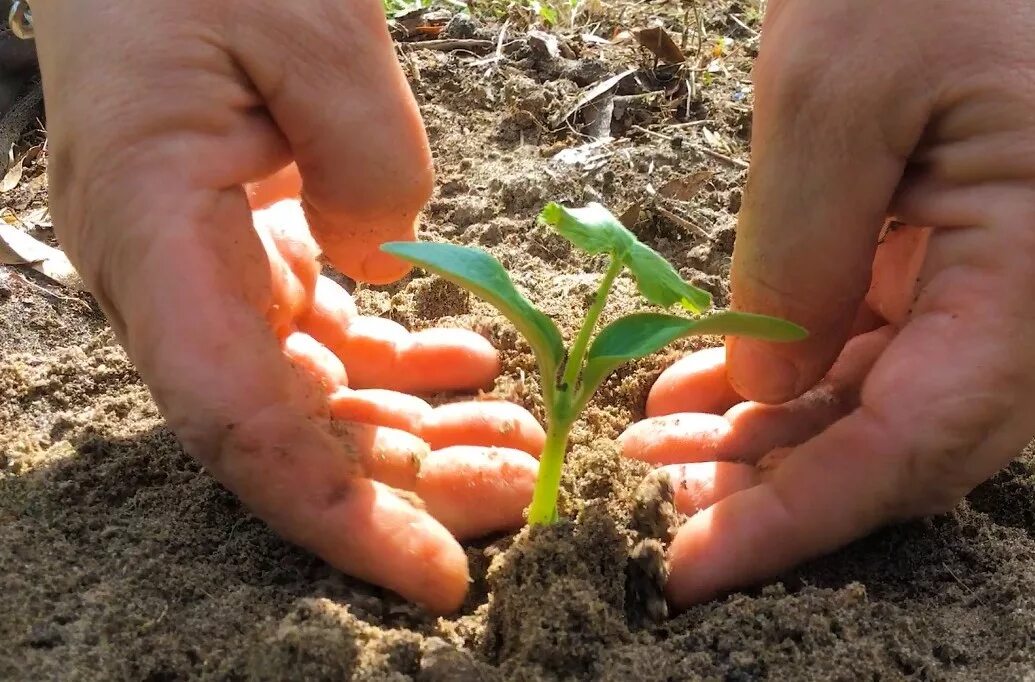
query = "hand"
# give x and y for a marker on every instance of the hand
(864, 110)
(160, 114)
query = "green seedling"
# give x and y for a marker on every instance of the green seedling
(571, 376)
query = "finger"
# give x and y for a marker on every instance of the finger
(697, 383)
(382, 408)
(699, 485)
(474, 491)
(821, 181)
(946, 405)
(330, 315)
(490, 423)
(441, 359)
(291, 255)
(896, 272)
(303, 481)
(318, 364)
(676, 439)
(391, 456)
(351, 122)
(236, 412)
(380, 353)
(758, 428)
(286, 183)
(750, 430)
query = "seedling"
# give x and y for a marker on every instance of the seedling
(571, 376)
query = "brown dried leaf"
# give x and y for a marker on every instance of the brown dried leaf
(631, 216)
(660, 43)
(13, 176)
(684, 188)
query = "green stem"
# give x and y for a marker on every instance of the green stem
(578, 349)
(548, 483)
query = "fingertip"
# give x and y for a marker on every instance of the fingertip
(316, 362)
(380, 268)
(730, 545)
(699, 485)
(695, 383)
(759, 373)
(488, 423)
(428, 566)
(475, 491)
(676, 438)
(352, 243)
(447, 359)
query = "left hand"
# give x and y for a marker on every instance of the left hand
(162, 117)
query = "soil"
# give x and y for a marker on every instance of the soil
(120, 558)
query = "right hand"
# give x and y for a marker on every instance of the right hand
(864, 109)
(159, 115)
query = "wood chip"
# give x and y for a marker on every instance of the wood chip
(18, 248)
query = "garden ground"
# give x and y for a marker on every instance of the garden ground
(121, 559)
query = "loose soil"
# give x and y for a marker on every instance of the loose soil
(120, 558)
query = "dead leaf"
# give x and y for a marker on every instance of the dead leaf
(631, 216)
(18, 248)
(589, 95)
(684, 188)
(32, 152)
(410, 20)
(13, 176)
(660, 43)
(598, 116)
(594, 39)
(714, 140)
(37, 217)
(624, 36)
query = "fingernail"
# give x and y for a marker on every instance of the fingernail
(759, 374)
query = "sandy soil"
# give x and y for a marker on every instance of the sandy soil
(121, 559)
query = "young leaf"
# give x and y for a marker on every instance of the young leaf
(639, 335)
(660, 284)
(593, 229)
(597, 230)
(482, 275)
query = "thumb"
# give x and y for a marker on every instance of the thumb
(329, 76)
(830, 141)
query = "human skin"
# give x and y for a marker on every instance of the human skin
(866, 109)
(160, 114)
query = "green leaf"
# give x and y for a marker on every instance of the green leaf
(593, 229)
(660, 284)
(596, 230)
(547, 13)
(639, 335)
(482, 275)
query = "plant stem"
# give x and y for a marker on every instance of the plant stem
(578, 349)
(548, 483)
